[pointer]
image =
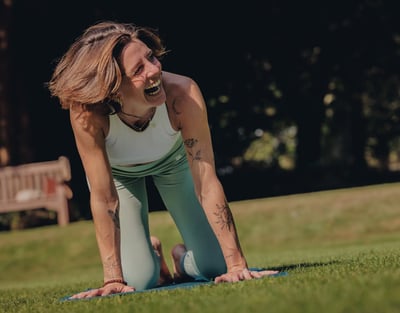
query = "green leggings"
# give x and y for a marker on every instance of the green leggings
(172, 178)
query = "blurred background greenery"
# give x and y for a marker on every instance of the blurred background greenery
(302, 96)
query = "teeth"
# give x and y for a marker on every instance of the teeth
(153, 88)
(155, 84)
(152, 93)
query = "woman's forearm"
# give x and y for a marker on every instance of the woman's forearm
(222, 222)
(106, 221)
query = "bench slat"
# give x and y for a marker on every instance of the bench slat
(36, 185)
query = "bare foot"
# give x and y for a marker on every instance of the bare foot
(165, 275)
(179, 275)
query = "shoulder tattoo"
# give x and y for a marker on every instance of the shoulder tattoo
(192, 151)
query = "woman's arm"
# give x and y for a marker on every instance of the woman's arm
(89, 137)
(192, 115)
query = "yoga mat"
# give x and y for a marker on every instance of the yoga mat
(185, 285)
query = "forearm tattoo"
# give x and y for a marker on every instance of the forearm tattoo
(111, 265)
(224, 216)
(190, 144)
(115, 217)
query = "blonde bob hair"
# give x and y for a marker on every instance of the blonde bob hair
(90, 72)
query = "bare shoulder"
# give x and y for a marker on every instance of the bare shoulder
(89, 121)
(177, 83)
(182, 91)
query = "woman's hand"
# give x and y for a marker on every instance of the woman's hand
(103, 291)
(244, 274)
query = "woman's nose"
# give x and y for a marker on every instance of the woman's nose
(153, 68)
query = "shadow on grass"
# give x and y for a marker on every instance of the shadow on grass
(285, 268)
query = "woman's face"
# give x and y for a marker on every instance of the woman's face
(141, 84)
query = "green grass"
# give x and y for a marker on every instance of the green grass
(341, 249)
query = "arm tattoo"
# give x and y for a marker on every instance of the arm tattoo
(190, 143)
(115, 217)
(224, 216)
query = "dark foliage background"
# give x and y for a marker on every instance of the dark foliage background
(302, 96)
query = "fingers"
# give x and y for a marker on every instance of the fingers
(267, 273)
(86, 294)
(244, 274)
(128, 289)
(102, 292)
(233, 277)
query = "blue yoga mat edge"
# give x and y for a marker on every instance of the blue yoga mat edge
(184, 285)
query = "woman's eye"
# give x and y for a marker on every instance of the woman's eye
(139, 70)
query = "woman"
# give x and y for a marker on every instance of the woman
(131, 120)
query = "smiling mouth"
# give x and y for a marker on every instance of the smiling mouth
(153, 88)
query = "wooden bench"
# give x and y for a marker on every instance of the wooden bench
(37, 185)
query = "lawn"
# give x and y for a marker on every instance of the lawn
(340, 248)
